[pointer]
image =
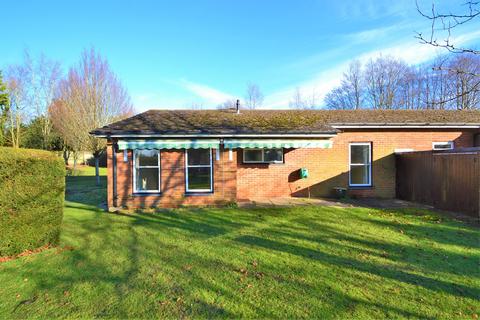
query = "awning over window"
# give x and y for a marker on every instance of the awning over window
(169, 144)
(277, 143)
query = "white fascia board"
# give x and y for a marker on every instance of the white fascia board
(313, 135)
(467, 126)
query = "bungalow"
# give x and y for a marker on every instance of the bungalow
(207, 157)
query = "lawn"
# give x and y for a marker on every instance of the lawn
(301, 262)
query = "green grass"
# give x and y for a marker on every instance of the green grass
(302, 262)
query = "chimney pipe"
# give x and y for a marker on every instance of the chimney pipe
(238, 106)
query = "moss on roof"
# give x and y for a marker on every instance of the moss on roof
(275, 121)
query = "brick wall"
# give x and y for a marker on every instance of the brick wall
(233, 180)
(172, 182)
(328, 168)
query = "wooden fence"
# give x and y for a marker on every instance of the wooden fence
(445, 180)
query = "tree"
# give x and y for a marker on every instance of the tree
(67, 123)
(4, 108)
(16, 77)
(464, 73)
(349, 95)
(253, 97)
(90, 97)
(32, 136)
(297, 101)
(383, 78)
(43, 77)
(444, 23)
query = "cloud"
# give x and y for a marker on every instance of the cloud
(208, 94)
(157, 100)
(410, 51)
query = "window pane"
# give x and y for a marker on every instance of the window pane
(147, 158)
(272, 155)
(359, 174)
(359, 154)
(147, 179)
(442, 146)
(199, 156)
(253, 155)
(199, 178)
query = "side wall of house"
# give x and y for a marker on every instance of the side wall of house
(172, 182)
(329, 168)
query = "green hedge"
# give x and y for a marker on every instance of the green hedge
(32, 189)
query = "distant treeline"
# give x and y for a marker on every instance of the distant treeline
(448, 82)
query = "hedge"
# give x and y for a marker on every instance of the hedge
(32, 190)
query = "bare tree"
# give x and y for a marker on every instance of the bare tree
(297, 101)
(67, 123)
(43, 77)
(383, 78)
(195, 105)
(253, 97)
(464, 73)
(91, 97)
(16, 78)
(443, 24)
(349, 95)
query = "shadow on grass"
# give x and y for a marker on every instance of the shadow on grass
(153, 265)
(84, 190)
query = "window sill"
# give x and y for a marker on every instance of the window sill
(360, 187)
(264, 163)
(146, 194)
(198, 193)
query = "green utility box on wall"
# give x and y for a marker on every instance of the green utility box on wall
(303, 173)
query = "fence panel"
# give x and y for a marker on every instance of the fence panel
(448, 181)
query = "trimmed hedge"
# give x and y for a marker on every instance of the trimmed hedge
(32, 190)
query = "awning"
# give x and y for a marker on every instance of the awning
(169, 144)
(277, 143)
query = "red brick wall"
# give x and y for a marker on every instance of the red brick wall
(233, 180)
(172, 183)
(328, 168)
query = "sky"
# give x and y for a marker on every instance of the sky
(183, 54)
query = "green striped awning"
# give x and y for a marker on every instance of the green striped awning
(277, 143)
(169, 144)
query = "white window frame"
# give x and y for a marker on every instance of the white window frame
(350, 164)
(263, 156)
(450, 143)
(198, 166)
(146, 167)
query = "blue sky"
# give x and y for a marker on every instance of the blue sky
(181, 53)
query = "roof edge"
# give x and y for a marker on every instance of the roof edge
(406, 125)
(246, 135)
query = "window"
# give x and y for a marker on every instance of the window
(263, 155)
(146, 177)
(198, 170)
(360, 164)
(442, 145)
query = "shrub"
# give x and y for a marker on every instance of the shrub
(32, 188)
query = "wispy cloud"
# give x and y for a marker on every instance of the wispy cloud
(157, 100)
(410, 51)
(207, 94)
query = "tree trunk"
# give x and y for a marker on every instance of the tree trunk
(74, 162)
(97, 170)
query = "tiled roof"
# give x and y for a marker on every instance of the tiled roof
(193, 122)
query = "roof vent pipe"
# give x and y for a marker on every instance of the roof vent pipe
(238, 106)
